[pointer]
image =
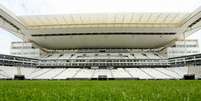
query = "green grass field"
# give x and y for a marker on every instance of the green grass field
(140, 90)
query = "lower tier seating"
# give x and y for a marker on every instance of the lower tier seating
(7, 72)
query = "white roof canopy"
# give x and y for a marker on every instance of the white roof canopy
(135, 29)
(104, 20)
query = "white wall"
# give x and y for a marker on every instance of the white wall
(197, 36)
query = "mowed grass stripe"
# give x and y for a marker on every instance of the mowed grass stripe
(117, 90)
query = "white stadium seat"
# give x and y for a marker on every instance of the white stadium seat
(7, 72)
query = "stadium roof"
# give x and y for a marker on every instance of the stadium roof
(102, 30)
(104, 20)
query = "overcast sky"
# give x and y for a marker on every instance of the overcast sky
(43, 7)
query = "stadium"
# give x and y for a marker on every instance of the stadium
(102, 46)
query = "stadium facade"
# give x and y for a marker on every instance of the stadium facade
(102, 46)
(181, 48)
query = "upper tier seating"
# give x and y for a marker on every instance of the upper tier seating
(140, 56)
(153, 56)
(54, 56)
(66, 56)
(147, 55)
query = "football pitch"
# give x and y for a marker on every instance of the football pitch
(116, 90)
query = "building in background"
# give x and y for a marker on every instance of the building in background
(181, 48)
(25, 49)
